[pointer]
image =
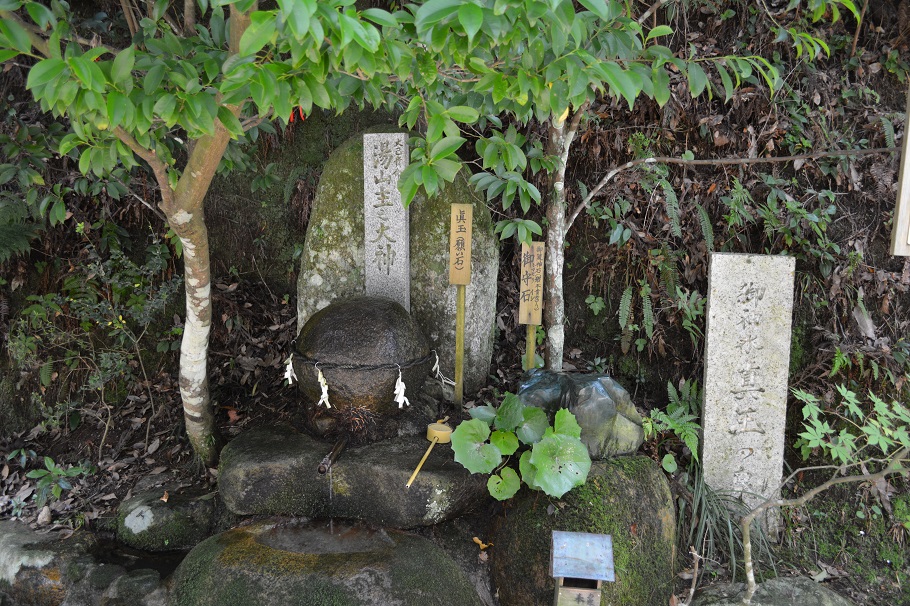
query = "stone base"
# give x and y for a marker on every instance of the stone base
(274, 472)
(308, 565)
(776, 592)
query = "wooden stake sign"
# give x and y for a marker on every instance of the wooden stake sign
(460, 244)
(900, 230)
(530, 299)
(460, 276)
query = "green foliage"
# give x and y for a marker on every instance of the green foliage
(595, 304)
(54, 479)
(680, 419)
(556, 462)
(613, 216)
(90, 330)
(854, 428)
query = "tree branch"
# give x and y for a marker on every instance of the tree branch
(158, 167)
(189, 17)
(36, 35)
(586, 202)
(895, 466)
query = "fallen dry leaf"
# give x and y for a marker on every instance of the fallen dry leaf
(482, 544)
(165, 497)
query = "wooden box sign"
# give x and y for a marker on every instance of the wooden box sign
(460, 244)
(530, 297)
(580, 562)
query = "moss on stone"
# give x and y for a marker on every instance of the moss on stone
(625, 497)
(236, 568)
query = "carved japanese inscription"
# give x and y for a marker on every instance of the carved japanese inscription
(530, 292)
(386, 235)
(460, 244)
(747, 356)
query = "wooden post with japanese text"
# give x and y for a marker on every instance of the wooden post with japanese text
(460, 277)
(900, 230)
(530, 299)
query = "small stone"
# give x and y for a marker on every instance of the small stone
(148, 522)
(44, 516)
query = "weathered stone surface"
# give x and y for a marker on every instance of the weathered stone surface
(387, 256)
(273, 472)
(776, 592)
(609, 423)
(747, 355)
(332, 264)
(290, 565)
(146, 522)
(363, 331)
(625, 497)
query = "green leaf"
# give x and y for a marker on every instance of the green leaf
(661, 86)
(660, 30)
(435, 11)
(669, 463)
(505, 485)
(16, 35)
(380, 17)
(153, 80)
(510, 413)
(445, 147)
(40, 14)
(471, 18)
(561, 463)
(533, 425)
(43, 72)
(259, 32)
(698, 80)
(470, 447)
(484, 413)
(505, 441)
(122, 66)
(462, 113)
(528, 471)
(598, 7)
(565, 424)
(230, 122)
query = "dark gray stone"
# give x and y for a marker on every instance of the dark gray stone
(274, 472)
(364, 331)
(610, 425)
(297, 565)
(776, 592)
(625, 497)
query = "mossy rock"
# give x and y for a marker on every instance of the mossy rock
(289, 565)
(148, 523)
(625, 497)
(272, 471)
(18, 410)
(332, 264)
(776, 592)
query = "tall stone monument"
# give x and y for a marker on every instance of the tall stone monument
(386, 226)
(747, 356)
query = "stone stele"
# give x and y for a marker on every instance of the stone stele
(747, 356)
(332, 265)
(386, 234)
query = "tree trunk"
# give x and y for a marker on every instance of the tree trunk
(558, 144)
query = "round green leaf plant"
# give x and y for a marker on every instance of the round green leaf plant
(556, 462)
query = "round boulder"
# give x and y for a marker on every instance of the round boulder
(625, 497)
(349, 339)
(319, 565)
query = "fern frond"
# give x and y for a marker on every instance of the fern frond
(707, 229)
(888, 127)
(291, 183)
(647, 316)
(625, 307)
(671, 204)
(14, 240)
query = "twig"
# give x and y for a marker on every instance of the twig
(652, 10)
(696, 559)
(859, 25)
(586, 202)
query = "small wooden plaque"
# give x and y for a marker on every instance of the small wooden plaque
(530, 301)
(460, 244)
